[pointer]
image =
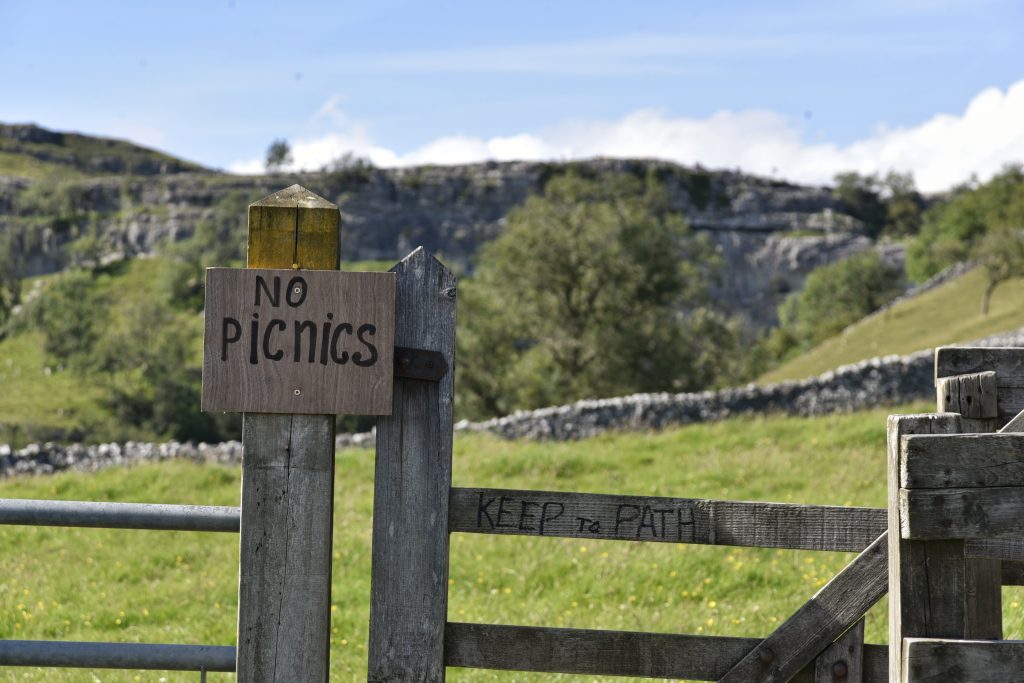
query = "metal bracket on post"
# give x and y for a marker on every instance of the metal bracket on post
(429, 366)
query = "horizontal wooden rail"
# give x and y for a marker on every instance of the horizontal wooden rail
(931, 461)
(613, 653)
(669, 520)
(116, 655)
(961, 513)
(118, 515)
(992, 661)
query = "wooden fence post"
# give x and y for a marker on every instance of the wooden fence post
(922, 575)
(974, 397)
(409, 591)
(284, 587)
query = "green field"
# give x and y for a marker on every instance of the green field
(949, 314)
(87, 584)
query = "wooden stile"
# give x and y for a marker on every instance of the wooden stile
(284, 590)
(409, 591)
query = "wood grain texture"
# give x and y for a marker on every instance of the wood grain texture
(829, 614)
(294, 228)
(843, 660)
(286, 341)
(409, 591)
(284, 588)
(1015, 425)
(1012, 573)
(669, 520)
(983, 598)
(973, 395)
(911, 584)
(995, 548)
(613, 653)
(932, 660)
(962, 461)
(1006, 362)
(961, 513)
(287, 483)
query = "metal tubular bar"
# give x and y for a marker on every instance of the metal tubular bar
(116, 655)
(118, 515)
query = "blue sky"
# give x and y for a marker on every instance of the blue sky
(788, 88)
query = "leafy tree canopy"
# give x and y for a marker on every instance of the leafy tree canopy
(596, 288)
(834, 297)
(279, 155)
(954, 231)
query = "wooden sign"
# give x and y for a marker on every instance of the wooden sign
(298, 341)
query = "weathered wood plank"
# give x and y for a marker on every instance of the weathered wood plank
(284, 591)
(294, 228)
(1006, 362)
(284, 587)
(612, 653)
(995, 548)
(962, 460)
(285, 341)
(833, 610)
(843, 660)
(670, 520)
(1015, 425)
(409, 590)
(973, 396)
(983, 608)
(939, 514)
(1012, 573)
(928, 660)
(918, 571)
(983, 577)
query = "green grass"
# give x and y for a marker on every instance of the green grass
(68, 159)
(139, 586)
(21, 165)
(949, 314)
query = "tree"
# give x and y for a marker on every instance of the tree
(279, 155)
(595, 288)
(903, 204)
(834, 297)
(953, 231)
(860, 195)
(1002, 256)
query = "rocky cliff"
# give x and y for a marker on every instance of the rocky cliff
(770, 233)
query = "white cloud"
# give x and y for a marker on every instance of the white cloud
(940, 152)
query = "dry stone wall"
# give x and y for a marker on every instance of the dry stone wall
(889, 381)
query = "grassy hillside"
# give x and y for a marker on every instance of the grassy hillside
(31, 152)
(44, 400)
(947, 315)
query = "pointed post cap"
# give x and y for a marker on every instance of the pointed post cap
(294, 228)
